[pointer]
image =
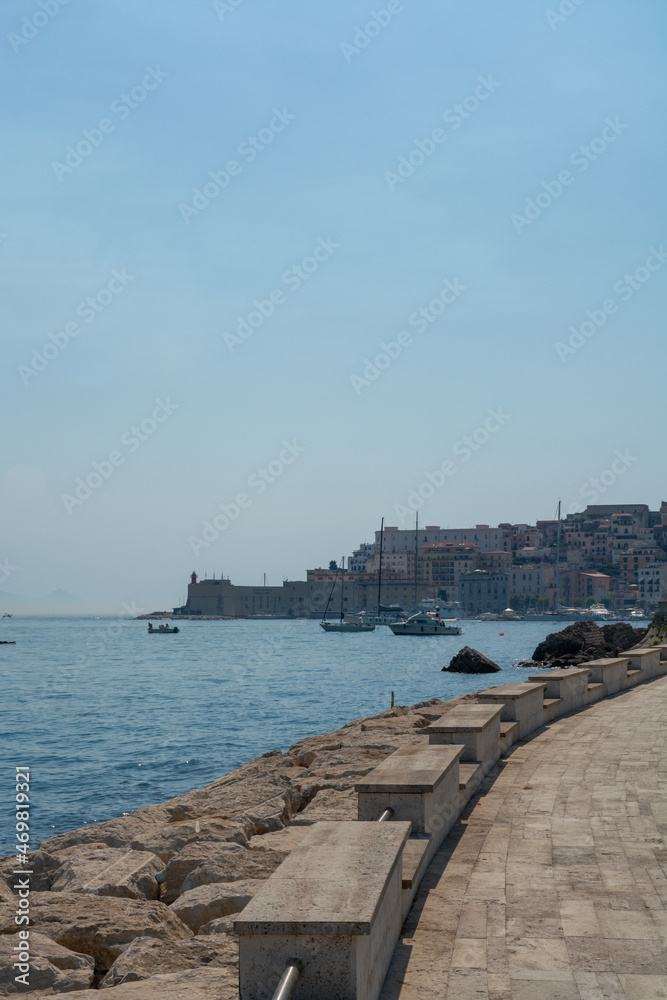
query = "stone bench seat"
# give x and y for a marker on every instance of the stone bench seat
(475, 727)
(470, 776)
(420, 785)
(612, 671)
(417, 784)
(646, 659)
(551, 709)
(596, 691)
(509, 734)
(521, 702)
(335, 905)
(415, 861)
(570, 686)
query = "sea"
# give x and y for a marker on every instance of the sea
(109, 718)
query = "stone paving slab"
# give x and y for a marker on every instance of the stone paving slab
(554, 884)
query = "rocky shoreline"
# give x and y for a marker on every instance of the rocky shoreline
(145, 903)
(99, 917)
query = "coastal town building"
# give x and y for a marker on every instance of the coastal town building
(651, 585)
(616, 553)
(482, 591)
(443, 563)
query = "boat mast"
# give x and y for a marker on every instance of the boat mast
(324, 616)
(380, 569)
(342, 582)
(416, 552)
(558, 561)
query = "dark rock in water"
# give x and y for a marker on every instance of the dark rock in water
(621, 636)
(572, 640)
(584, 641)
(528, 664)
(471, 661)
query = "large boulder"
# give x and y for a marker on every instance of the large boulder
(234, 867)
(147, 957)
(169, 840)
(581, 639)
(621, 636)
(109, 871)
(584, 640)
(209, 902)
(42, 864)
(192, 857)
(52, 967)
(330, 804)
(471, 661)
(102, 926)
(202, 983)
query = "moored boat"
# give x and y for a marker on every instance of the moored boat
(359, 626)
(426, 623)
(345, 624)
(162, 629)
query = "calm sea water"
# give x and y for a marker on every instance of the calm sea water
(109, 718)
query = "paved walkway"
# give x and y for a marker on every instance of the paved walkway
(554, 886)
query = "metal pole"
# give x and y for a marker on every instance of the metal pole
(416, 554)
(288, 981)
(380, 568)
(386, 815)
(558, 562)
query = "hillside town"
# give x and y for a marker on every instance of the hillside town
(611, 554)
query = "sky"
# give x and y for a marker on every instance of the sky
(272, 272)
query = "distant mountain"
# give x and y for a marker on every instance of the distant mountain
(58, 601)
(60, 597)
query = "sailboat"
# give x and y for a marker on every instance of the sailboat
(343, 626)
(559, 613)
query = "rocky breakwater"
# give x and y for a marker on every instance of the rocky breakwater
(585, 641)
(100, 919)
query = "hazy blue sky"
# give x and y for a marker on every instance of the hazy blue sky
(540, 190)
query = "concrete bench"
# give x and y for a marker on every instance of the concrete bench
(551, 709)
(520, 703)
(646, 659)
(566, 690)
(596, 692)
(476, 727)
(509, 734)
(470, 778)
(415, 861)
(420, 786)
(335, 906)
(611, 671)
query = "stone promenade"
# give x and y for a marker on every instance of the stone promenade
(554, 884)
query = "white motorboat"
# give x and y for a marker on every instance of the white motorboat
(597, 611)
(427, 623)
